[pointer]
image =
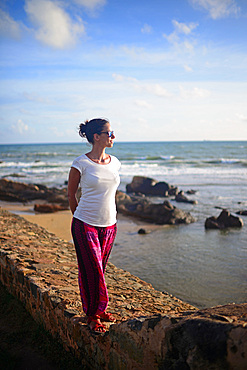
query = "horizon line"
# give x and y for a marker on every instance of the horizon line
(131, 142)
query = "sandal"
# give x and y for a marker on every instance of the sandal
(105, 316)
(98, 328)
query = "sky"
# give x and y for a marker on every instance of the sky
(160, 70)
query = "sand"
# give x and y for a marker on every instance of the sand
(59, 223)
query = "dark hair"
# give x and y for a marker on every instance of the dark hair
(89, 128)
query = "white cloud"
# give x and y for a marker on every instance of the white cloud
(146, 29)
(217, 8)
(184, 29)
(188, 46)
(36, 98)
(155, 89)
(65, 133)
(242, 117)
(90, 4)
(8, 26)
(193, 93)
(173, 38)
(187, 68)
(143, 104)
(152, 88)
(54, 27)
(20, 127)
(121, 78)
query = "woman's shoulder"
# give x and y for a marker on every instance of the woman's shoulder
(79, 161)
(115, 161)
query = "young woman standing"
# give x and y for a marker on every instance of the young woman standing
(94, 218)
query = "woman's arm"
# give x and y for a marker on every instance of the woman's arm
(73, 183)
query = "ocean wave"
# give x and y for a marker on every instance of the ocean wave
(22, 164)
(56, 170)
(227, 161)
(147, 158)
(171, 160)
(152, 170)
(41, 164)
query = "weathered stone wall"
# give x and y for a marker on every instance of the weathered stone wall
(154, 330)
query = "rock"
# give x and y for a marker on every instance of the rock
(149, 186)
(223, 221)
(180, 197)
(142, 231)
(242, 213)
(15, 175)
(21, 192)
(48, 208)
(142, 208)
(191, 191)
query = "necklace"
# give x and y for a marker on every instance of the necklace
(103, 160)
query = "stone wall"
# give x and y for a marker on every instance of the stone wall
(154, 330)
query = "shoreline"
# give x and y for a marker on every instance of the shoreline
(59, 223)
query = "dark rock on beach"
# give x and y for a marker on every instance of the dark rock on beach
(149, 186)
(242, 213)
(142, 208)
(14, 191)
(191, 191)
(143, 231)
(223, 221)
(180, 197)
(49, 208)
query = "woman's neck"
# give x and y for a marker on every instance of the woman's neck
(98, 155)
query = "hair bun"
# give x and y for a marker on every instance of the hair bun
(82, 129)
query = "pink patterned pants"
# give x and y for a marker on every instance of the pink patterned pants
(93, 246)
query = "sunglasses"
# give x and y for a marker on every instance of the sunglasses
(109, 133)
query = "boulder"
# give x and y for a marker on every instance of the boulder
(242, 213)
(223, 221)
(48, 208)
(21, 192)
(180, 197)
(142, 208)
(143, 231)
(149, 186)
(191, 191)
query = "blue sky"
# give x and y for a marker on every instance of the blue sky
(158, 70)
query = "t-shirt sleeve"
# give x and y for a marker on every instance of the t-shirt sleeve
(78, 165)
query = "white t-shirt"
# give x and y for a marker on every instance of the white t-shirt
(97, 205)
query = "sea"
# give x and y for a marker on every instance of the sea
(203, 267)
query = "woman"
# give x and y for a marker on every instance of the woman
(94, 218)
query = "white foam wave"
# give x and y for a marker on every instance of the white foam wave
(34, 164)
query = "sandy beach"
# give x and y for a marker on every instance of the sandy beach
(59, 223)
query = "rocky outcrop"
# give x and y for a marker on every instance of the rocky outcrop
(242, 213)
(48, 208)
(180, 197)
(142, 208)
(20, 192)
(148, 186)
(191, 191)
(223, 221)
(154, 330)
